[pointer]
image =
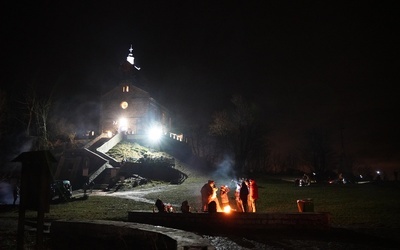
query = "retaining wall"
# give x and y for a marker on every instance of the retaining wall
(234, 220)
(99, 235)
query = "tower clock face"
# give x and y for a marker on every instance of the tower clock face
(124, 105)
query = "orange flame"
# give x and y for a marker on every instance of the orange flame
(227, 209)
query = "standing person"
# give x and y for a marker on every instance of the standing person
(160, 206)
(244, 193)
(239, 204)
(215, 198)
(207, 192)
(185, 208)
(253, 195)
(223, 192)
(306, 179)
(15, 192)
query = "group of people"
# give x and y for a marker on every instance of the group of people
(246, 195)
(209, 196)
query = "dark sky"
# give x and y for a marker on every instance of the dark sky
(307, 64)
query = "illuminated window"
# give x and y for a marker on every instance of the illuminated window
(125, 89)
(124, 105)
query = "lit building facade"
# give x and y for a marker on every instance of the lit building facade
(130, 109)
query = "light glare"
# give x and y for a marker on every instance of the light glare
(123, 124)
(155, 133)
(227, 209)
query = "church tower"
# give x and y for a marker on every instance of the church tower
(131, 59)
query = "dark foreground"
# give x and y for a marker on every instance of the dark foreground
(334, 238)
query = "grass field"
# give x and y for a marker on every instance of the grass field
(372, 207)
(366, 205)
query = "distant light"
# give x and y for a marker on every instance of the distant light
(361, 176)
(155, 133)
(378, 172)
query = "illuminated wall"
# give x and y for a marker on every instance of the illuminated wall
(138, 109)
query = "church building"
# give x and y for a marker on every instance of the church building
(129, 109)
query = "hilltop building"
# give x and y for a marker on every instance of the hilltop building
(130, 109)
(128, 112)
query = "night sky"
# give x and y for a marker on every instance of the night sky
(307, 64)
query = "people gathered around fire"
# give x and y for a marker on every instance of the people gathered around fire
(246, 195)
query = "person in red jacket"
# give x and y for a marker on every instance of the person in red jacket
(253, 195)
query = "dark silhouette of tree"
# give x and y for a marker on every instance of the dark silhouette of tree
(276, 162)
(42, 110)
(239, 131)
(28, 115)
(62, 131)
(318, 151)
(201, 143)
(36, 119)
(3, 113)
(260, 156)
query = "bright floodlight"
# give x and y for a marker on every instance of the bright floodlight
(123, 124)
(155, 133)
(109, 134)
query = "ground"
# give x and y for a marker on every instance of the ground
(337, 238)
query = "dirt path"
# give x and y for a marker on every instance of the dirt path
(135, 194)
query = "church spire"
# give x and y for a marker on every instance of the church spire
(131, 59)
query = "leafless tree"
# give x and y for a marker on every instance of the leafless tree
(29, 104)
(36, 118)
(63, 129)
(239, 131)
(41, 111)
(318, 151)
(201, 143)
(3, 112)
